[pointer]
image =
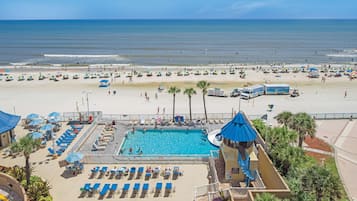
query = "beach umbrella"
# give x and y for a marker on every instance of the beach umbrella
(239, 130)
(53, 120)
(74, 157)
(36, 122)
(54, 115)
(36, 135)
(47, 127)
(32, 116)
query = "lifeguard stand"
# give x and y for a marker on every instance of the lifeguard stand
(240, 160)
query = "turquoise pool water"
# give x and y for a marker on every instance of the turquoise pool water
(167, 143)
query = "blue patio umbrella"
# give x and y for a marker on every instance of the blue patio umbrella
(36, 135)
(32, 116)
(239, 129)
(74, 157)
(53, 120)
(54, 114)
(46, 127)
(36, 122)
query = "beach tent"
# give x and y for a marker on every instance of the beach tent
(7, 123)
(239, 130)
(313, 69)
(104, 83)
(74, 157)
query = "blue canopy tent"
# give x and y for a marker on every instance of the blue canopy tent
(36, 135)
(8, 121)
(32, 116)
(74, 157)
(239, 130)
(104, 83)
(313, 69)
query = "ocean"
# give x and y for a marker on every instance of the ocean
(177, 42)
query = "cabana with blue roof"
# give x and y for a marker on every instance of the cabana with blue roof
(7, 124)
(241, 163)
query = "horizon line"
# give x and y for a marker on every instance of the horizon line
(201, 19)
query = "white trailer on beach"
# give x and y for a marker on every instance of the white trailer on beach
(252, 92)
(276, 89)
(216, 92)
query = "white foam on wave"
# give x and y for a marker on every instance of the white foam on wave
(342, 55)
(84, 55)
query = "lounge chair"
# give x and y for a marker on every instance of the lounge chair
(158, 188)
(144, 190)
(86, 187)
(112, 189)
(95, 187)
(125, 190)
(97, 148)
(216, 121)
(104, 190)
(168, 189)
(140, 172)
(142, 122)
(167, 174)
(221, 121)
(94, 171)
(176, 172)
(103, 171)
(52, 152)
(135, 189)
(132, 171)
(147, 175)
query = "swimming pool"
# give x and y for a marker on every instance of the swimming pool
(166, 143)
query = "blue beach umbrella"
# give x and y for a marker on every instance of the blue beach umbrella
(36, 135)
(54, 114)
(46, 127)
(36, 122)
(32, 116)
(74, 157)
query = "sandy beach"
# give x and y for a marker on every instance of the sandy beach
(45, 96)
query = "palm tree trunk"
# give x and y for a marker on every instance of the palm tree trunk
(27, 169)
(301, 140)
(189, 102)
(204, 106)
(173, 109)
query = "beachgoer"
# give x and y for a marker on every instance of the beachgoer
(109, 92)
(158, 110)
(345, 93)
(156, 96)
(113, 122)
(163, 110)
(130, 150)
(146, 94)
(114, 92)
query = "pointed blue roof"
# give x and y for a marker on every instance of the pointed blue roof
(8, 121)
(239, 129)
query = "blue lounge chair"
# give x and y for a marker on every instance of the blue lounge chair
(104, 190)
(147, 175)
(141, 170)
(86, 187)
(136, 186)
(158, 186)
(95, 187)
(104, 169)
(126, 187)
(95, 170)
(168, 186)
(132, 170)
(145, 187)
(113, 188)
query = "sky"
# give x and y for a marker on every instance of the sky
(178, 9)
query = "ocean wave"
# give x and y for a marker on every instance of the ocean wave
(342, 55)
(84, 55)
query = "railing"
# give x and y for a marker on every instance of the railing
(113, 159)
(206, 190)
(213, 170)
(131, 117)
(83, 137)
(326, 116)
(71, 116)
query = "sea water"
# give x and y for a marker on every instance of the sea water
(181, 42)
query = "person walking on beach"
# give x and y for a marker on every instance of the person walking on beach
(345, 93)
(163, 110)
(156, 96)
(109, 92)
(158, 110)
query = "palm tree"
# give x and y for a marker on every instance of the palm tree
(174, 90)
(283, 118)
(27, 145)
(303, 124)
(189, 92)
(203, 85)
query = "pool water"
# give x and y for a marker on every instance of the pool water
(167, 143)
